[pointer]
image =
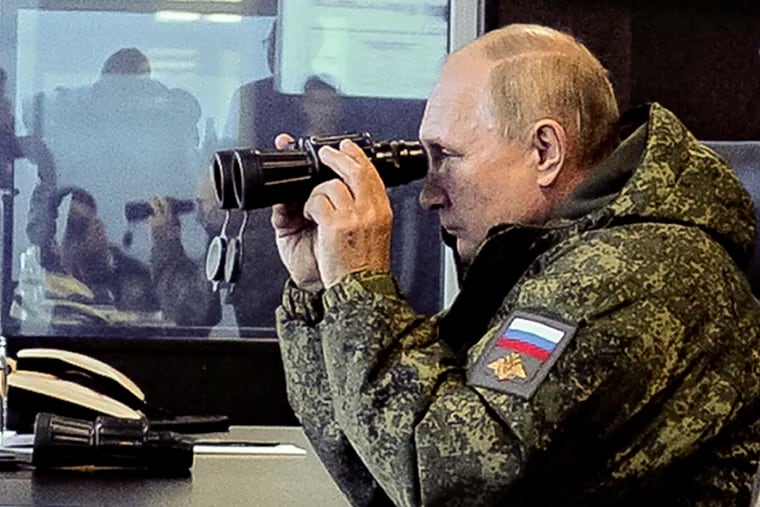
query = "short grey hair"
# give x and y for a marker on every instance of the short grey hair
(544, 73)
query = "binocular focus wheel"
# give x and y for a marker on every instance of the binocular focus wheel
(215, 259)
(233, 260)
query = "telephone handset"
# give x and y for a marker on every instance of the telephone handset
(76, 385)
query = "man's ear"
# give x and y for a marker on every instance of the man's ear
(550, 142)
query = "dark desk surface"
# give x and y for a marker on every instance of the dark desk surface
(215, 480)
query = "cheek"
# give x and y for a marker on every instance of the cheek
(488, 193)
(476, 208)
(468, 204)
(498, 198)
(465, 189)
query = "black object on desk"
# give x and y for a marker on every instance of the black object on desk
(261, 480)
(109, 442)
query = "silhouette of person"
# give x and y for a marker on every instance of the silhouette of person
(126, 137)
(129, 61)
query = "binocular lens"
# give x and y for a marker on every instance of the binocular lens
(215, 259)
(221, 175)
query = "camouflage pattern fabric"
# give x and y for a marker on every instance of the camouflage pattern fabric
(654, 395)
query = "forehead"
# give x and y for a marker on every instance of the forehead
(457, 96)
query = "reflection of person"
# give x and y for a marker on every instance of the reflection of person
(126, 137)
(6, 114)
(127, 61)
(258, 111)
(322, 109)
(183, 292)
(604, 336)
(171, 283)
(31, 147)
(9, 146)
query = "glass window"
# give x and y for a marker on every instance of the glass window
(118, 109)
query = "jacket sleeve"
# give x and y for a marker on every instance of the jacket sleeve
(430, 437)
(382, 361)
(41, 221)
(310, 398)
(42, 216)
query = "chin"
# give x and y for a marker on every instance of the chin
(462, 265)
(465, 252)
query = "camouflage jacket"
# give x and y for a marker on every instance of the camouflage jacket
(611, 357)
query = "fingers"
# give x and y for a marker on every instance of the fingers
(349, 162)
(353, 150)
(283, 216)
(358, 191)
(283, 141)
(326, 199)
(336, 192)
(318, 208)
(160, 206)
(355, 169)
(288, 219)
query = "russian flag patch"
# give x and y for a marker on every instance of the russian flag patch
(520, 355)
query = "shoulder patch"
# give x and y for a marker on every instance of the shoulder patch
(520, 354)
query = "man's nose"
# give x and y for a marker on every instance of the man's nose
(432, 196)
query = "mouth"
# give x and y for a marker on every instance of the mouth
(449, 227)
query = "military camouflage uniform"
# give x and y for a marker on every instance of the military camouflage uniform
(652, 390)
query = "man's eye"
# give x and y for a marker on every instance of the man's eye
(441, 157)
(449, 153)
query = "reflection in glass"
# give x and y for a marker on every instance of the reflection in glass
(120, 109)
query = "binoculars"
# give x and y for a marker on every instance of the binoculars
(139, 211)
(109, 442)
(249, 178)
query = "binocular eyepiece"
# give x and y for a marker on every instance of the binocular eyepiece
(249, 178)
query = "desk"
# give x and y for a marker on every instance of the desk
(281, 481)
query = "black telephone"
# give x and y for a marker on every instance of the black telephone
(79, 386)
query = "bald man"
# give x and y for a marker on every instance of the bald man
(603, 347)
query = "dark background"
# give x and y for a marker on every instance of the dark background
(699, 60)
